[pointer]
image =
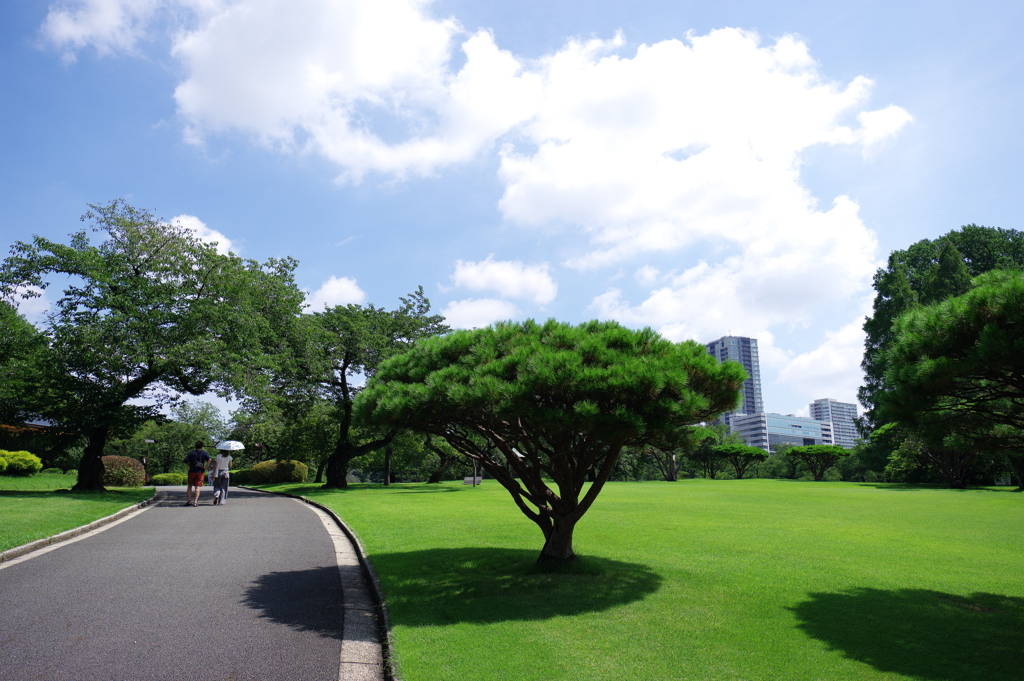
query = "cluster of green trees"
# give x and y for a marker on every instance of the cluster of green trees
(548, 410)
(943, 359)
(151, 312)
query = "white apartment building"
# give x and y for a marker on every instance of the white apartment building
(841, 416)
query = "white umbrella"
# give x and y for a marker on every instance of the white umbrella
(231, 446)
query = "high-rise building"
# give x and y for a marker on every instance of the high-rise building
(743, 350)
(842, 416)
(767, 431)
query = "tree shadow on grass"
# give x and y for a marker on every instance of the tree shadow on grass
(484, 585)
(305, 600)
(926, 487)
(922, 634)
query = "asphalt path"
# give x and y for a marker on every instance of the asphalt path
(248, 590)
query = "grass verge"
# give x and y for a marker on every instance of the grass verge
(33, 507)
(750, 579)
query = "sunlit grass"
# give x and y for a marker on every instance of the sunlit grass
(751, 579)
(34, 507)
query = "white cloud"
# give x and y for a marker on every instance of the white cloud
(681, 144)
(107, 25)
(833, 368)
(882, 126)
(511, 279)
(336, 291)
(476, 313)
(647, 275)
(365, 83)
(211, 236)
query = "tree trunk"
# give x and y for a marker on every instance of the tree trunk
(320, 469)
(388, 453)
(337, 464)
(558, 542)
(953, 465)
(446, 463)
(337, 467)
(90, 468)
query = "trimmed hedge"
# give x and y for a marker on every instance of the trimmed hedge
(269, 472)
(169, 479)
(3, 465)
(123, 471)
(21, 463)
(55, 471)
(242, 476)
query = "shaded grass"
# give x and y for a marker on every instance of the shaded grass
(748, 579)
(40, 506)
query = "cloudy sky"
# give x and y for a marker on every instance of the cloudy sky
(701, 168)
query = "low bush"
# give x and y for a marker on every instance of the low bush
(123, 471)
(169, 479)
(21, 463)
(270, 472)
(55, 471)
(3, 465)
(242, 476)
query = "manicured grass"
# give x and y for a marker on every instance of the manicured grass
(31, 508)
(750, 579)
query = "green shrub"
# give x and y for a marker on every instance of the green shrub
(21, 463)
(123, 471)
(242, 476)
(870, 476)
(269, 472)
(832, 475)
(292, 471)
(169, 479)
(55, 471)
(3, 465)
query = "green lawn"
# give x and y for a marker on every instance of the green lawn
(31, 508)
(751, 579)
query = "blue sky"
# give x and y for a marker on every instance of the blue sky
(701, 168)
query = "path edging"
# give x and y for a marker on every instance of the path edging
(19, 551)
(383, 619)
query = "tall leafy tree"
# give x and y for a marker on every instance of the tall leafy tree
(338, 349)
(955, 373)
(740, 457)
(928, 271)
(534, 403)
(818, 458)
(148, 312)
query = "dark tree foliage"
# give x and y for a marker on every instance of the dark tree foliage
(818, 458)
(534, 403)
(955, 375)
(927, 272)
(741, 457)
(336, 350)
(148, 313)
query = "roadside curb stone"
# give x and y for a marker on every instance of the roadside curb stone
(24, 549)
(368, 593)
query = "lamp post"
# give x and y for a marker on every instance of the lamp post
(145, 461)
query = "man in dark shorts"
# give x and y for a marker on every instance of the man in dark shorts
(197, 461)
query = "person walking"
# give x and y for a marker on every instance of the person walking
(197, 461)
(221, 476)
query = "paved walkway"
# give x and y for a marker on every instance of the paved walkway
(263, 588)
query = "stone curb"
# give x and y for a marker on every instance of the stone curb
(19, 551)
(383, 620)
